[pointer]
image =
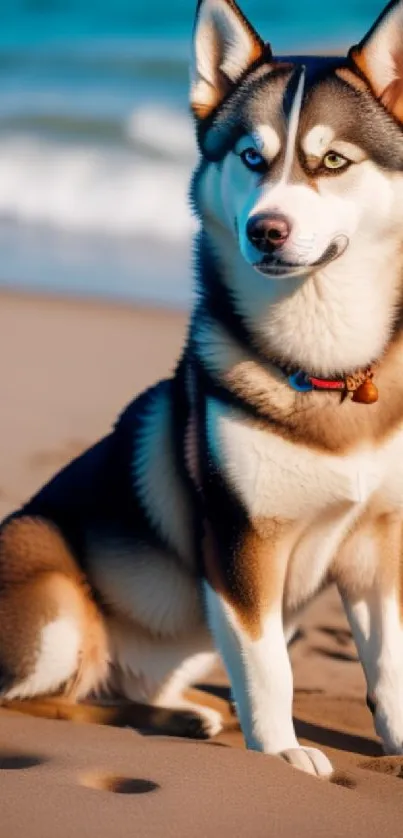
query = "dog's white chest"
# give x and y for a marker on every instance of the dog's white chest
(276, 478)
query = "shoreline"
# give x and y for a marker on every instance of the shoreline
(9, 292)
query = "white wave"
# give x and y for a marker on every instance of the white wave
(80, 188)
(163, 129)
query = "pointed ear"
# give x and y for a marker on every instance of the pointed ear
(380, 58)
(224, 46)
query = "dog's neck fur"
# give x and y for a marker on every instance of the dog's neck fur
(330, 324)
(241, 315)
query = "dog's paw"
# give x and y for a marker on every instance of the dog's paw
(202, 723)
(310, 760)
(388, 717)
(392, 746)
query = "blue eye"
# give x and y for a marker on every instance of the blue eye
(253, 160)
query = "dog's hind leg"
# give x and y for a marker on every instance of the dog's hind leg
(192, 669)
(51, 634)
(158, 720)
(159, 671)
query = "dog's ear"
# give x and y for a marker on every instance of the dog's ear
(380, 58)
(224, 46)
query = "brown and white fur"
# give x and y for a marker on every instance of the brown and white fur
(223, 493)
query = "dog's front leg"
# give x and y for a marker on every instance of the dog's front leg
(375, 620)
(250, 636)
(376, 624)
(370, 586)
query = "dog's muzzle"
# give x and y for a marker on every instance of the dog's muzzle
(275, 266)
(268, 232)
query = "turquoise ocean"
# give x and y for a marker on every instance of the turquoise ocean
(96, 144)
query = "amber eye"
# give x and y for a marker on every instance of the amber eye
(333, 161)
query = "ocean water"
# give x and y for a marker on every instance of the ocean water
(96, 144)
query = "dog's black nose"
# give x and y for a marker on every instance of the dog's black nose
(268, 232)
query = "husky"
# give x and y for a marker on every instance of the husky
(271, 462)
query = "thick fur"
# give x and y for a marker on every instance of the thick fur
(223, 500)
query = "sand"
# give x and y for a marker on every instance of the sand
(66, 371)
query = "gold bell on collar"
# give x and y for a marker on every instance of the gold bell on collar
(367, 392)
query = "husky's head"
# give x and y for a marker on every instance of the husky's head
(300, 189)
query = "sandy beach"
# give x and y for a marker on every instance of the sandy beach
(67, 369)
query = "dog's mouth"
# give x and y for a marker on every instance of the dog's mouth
(277, 267)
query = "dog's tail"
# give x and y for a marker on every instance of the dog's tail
(159, 720)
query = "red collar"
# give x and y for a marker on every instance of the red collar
(360, 385)
(326, 384)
